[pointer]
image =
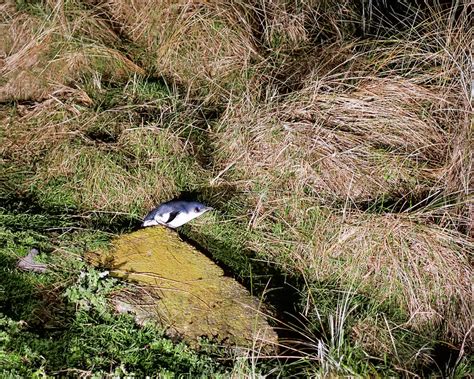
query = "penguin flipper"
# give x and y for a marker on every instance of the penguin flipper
(172, 216)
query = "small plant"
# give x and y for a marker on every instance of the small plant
(333, 138)
(91, 289)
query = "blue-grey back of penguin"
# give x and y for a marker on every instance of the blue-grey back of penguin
(180, 206)
(171, 207)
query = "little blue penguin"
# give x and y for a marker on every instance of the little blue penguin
(175, 213)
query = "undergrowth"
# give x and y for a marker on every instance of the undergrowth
(332, 138)
(60, 322)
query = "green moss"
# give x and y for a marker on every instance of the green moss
(190, 294)
(60, 320)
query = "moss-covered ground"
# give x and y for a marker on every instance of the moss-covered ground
(333, 139)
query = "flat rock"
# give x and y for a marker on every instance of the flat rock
(185, 292)
(28, 263)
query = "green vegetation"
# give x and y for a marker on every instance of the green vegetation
(60, 322)
(332, 138)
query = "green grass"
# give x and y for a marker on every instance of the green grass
(319, 135)
(60, 322)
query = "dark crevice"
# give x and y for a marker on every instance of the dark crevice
(279, 291)
(104, 136)
(403, 202)
(16, 103)
(282, 293)
(392, 17)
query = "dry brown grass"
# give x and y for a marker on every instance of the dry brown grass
(17, 29)
(372, 142)
(30, 133)
(98, 182)
(436, 54)
(422, 271)
(394, 114)
(143, 167)
(45, 56)
(201, 45)
(400, 260)
(341, 142)
(327, 133)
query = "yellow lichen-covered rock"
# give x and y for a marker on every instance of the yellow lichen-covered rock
(185, 292)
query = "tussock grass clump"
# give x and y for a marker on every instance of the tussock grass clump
(392, 259)
(30, 131)
(360, 145)
(399, 261)
(45, 54)
(334, 141)
(17, 29)
(393, 114)
(95, 179)
(202, 45)
(383, 142)
(99, 159)
(142, 168)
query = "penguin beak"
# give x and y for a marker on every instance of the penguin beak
(149, 223)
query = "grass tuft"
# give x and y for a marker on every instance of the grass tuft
(332, 138)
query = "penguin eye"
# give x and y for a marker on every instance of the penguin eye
(197, 209)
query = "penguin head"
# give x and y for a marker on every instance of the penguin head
(197, 209)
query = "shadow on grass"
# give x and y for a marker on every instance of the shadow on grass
(50, 326)
(300, 329)
(58, 323)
